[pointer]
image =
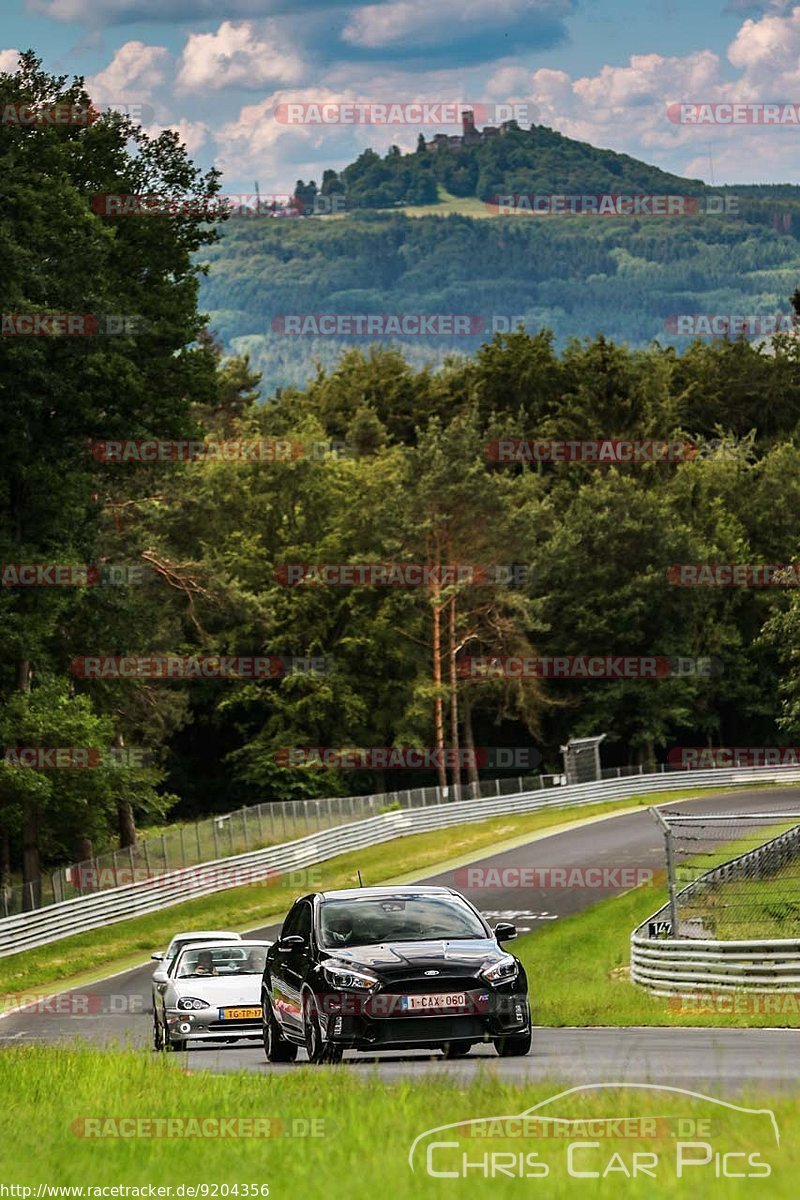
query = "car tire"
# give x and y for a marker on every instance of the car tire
(456, 1049)
(167, 1044)
(515, 1046)
(276, 1047)
(317, 1049)
(158, 1034)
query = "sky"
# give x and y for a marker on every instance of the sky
(224, 73)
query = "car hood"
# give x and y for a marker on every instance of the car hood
(231, 989)
(391, 957)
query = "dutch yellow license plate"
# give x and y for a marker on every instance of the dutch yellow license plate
(240, 1014)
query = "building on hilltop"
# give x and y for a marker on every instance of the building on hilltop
(470, 136)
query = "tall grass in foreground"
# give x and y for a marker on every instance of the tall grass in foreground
(367, 1130)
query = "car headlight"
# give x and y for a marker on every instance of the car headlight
(348, 979)
(506, 968)
(191, 1002)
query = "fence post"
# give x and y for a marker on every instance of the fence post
(164, 851)
(260, 824)
(183, 849)
(244, 829)
(199, 847)
(116, 868)
(673, 906)
(146, 853)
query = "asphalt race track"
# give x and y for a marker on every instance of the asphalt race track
(119, 1008)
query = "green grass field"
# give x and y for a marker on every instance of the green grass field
(351, 1134)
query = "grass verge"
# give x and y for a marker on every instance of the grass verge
(578, 971)
(364, 1135)
(82, 958)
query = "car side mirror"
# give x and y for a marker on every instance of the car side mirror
(157, 957)
(293, 942)
(504, 931)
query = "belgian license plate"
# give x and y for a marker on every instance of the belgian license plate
(441, 1000)
(240, 1014)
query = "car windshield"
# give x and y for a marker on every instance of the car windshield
(396, 919)
(175, 947)
(205, 961)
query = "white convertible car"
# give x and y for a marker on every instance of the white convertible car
(212, 993)
(164, 961)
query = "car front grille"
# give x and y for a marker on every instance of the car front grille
(428, 1029)
(236, 1023)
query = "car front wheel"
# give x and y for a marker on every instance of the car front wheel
(317, 1049)
(276, 1048)
(158, 1034)
(515, 1046)
(456, 1049)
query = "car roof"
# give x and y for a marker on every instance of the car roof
(378, 893)
(210, 944)
(207, 933)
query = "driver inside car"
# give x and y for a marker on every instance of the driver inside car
(340, 930)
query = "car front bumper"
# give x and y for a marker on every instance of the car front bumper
(359, 1023)
(205, 1025)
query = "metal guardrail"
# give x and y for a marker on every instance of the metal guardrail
(688, 965)
(226, 834)
(42, 926)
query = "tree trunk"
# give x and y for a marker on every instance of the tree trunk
(469, 745)
(126, 823)
(31, 866)
(5, 859)
(438, 714)
(24, 675)
(456, 769)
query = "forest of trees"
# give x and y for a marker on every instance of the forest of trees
(407, 479)
(577, 276)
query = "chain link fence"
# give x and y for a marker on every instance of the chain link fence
(246, 829)
(732, 878)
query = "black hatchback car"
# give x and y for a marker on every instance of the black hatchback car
(392, 969)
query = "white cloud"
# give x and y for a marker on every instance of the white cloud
(237, 56)
(193, 134)
(136, 73)
(423, 22)
(8, 61)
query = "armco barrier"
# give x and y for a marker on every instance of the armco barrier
(688, 966)
(28, 930)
